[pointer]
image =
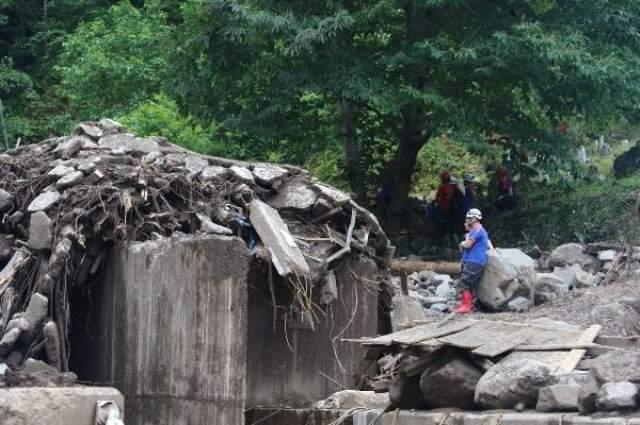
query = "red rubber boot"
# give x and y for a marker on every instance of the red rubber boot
(466, 303)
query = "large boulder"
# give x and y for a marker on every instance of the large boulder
(627, 163)
(405, 393)
(509, 273)
(511, 382)
(405, 311)
(550, 286)
(617, 396)
(616, 319)
(617, 366)
(451, 384)
(558, 398)
(572, 253)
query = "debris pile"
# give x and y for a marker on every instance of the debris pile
(66, 200)
(512, 280)
(485, 364)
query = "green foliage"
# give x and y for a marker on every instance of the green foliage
(111, 64)
(161, 117)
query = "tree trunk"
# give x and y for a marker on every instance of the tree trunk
(412, 138)
(351, 148)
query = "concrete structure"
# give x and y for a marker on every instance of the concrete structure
(297, 368)
(176, 345)
(54, 406)
(405, 417)
(185, 329)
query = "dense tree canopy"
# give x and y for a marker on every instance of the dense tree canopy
(356, 88)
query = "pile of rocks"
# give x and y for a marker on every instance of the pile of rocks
(66, 200)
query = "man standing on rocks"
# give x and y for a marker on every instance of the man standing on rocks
(474, 259)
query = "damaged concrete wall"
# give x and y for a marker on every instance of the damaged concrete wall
(178, 344)
(281, 373)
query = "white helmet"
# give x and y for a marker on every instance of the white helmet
(474, 213)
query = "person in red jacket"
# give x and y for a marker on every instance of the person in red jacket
(448, 206)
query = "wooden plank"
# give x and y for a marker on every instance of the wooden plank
(574, 356)
(503, 344)
(478, 334)
(418, 334)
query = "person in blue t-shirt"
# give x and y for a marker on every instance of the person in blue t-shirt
(475, 250)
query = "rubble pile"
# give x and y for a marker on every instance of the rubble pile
(65, 201)
(515, 282)
(474, 364)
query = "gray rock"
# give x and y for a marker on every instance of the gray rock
(585, 279)
(334, 195)
(617, 396)
(172, 159)
(572, 253)
(37, 366)
(128, 143)
(110, 126)
(7, 248)
(36, 312)
(6, 200)
(451, 384)
(71, 146)
(69, 180)
(568, 274)
(44, 201)
(558, 398)
(151, 157)
(616, 319)
(90, 129)
(208, 226)
(606, 266)
(549, 286)
(587, 395)
(519, 304)
(352, 399)
(428, 301)
(444, 290)
(242, 174)
(214, 172)
(511, 382)
(426, 275)
(267, 174)
(61, 171)
(195, 164)
(405, 393)
(439, 308)
(87, 167)
(509, 273)
(405, 310)
(40, 231)
(617, 366)
(438, 279)
(295, 195)
(607, 255)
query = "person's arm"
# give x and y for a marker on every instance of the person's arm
(469, 242)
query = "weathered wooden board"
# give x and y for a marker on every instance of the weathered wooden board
(573, 358)
(504, 343)
(479, 334)
(419, 334)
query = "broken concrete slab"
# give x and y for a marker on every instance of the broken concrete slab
(295, 195)
(242, 174)
(128, 143)
(61, 171)
(275, 235)
(40, 231)
(195, 164)
(214, 172)
(44, 201)
(268, 174)
(69, 180)
(54, 406)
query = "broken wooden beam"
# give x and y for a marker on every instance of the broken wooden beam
(445, 267)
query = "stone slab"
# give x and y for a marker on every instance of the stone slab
(54, 406)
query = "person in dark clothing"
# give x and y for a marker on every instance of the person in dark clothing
(448, 206)
(470, 192)
(506, 196)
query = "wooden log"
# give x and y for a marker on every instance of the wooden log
(445, 267)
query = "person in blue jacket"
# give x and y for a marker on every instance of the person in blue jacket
(475, 249)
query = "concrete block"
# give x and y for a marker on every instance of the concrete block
(530, 419)
(587, 420)
(54, 406)
(409, 417)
